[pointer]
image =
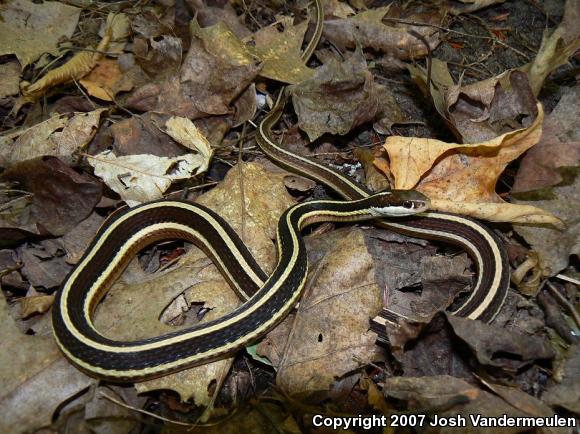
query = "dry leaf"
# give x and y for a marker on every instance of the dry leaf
(498, 347)
(115, 31)
(105, 80)
(9, 79)
(35, 304)
(184, 131)
(35, 379)
(60, 136)
(281, 52)
(367, 29)
(461, 178)
(217, 68)
(555, 247)
(29, 29)
(339, 97)
(482, 110)
(565, 391)
(329, 333)
(141, 178)
(556, 48)
(558, 148)
(61, 196)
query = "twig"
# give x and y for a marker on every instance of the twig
(568, 279)
(558, 295)
(148, 413)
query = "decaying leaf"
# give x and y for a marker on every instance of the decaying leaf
(462, 178)
(449, 398)
(115, 31)
(61, 197)
(281, 52)
(558, 148)
(555, 246)
(367, 29)
(339, 97)
(217, 68)
(495, 346)
(330, 333)
(105, 80)
(28, 29)
(565, 391)
(9, 79)
(140, 178)
(34, 378)
(556, 47)
(483, 110)
(59, 136)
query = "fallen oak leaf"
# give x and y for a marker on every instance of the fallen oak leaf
(105, 80)
(463, 177)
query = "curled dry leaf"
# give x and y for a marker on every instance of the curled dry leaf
(339, 97)
(35, 304)
(556, 47)
(29, 29)
(281, 52)
(482, 110)
(141, 178)
(184, 131)
(82, 63)
(462, 178)
(59, 136)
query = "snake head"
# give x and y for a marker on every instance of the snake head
(398, 203)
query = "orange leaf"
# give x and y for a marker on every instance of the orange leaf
(462, 178)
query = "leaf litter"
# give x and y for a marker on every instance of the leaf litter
(159, 100)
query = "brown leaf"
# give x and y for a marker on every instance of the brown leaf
(483, 110)
(558, 147)
(78, 238)
(496, 346)
(35, 304)
(28, 29)
(339, 97)
(9, 79)
(43, 267)
(281, 52)
(62, 197)
(105, 80)
(217, 68)
(330, 330)
(60, 136)
(555, 247)
(367, 29)
(556, 48)
(448, 397)
(35, 379)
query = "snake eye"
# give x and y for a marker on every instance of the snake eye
(408, 204)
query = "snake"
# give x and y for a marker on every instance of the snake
(267, 299)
